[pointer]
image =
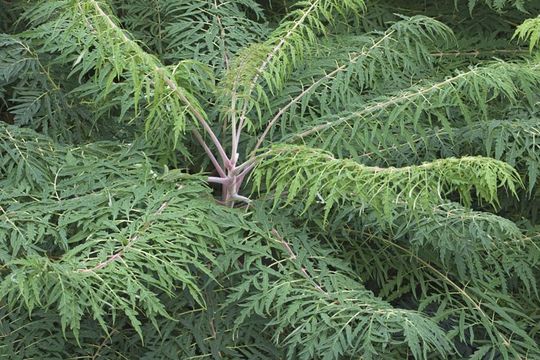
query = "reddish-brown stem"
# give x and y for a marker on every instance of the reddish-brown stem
(213, 159)
(200, 118)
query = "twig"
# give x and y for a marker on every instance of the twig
(107, 338)
(120, 252)
(477, 53)
(208, 152)
(379, 106)
(293, 257)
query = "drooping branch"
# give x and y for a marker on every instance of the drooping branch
(398, 99)
(308, 174)
(505, 80)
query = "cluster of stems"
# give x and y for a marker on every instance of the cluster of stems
(231, 171)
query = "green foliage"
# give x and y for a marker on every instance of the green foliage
(320, 179)
(36, 98)
(100, 243)
(315, 175)
(208, 31)
(286, 47)
(63, 251)
(499, 4)
(122, 77)
(529, 30)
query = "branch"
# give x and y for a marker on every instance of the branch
(379, 106)
(294, 257)
(118, 255)
(213, 159)
(265, 63)
(172, 85)
(218, 180)
(477, 53)
(314, 85)
(459, 289)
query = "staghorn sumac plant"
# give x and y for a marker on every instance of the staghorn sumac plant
(372, 166)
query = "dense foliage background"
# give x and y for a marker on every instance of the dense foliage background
(319, 179)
